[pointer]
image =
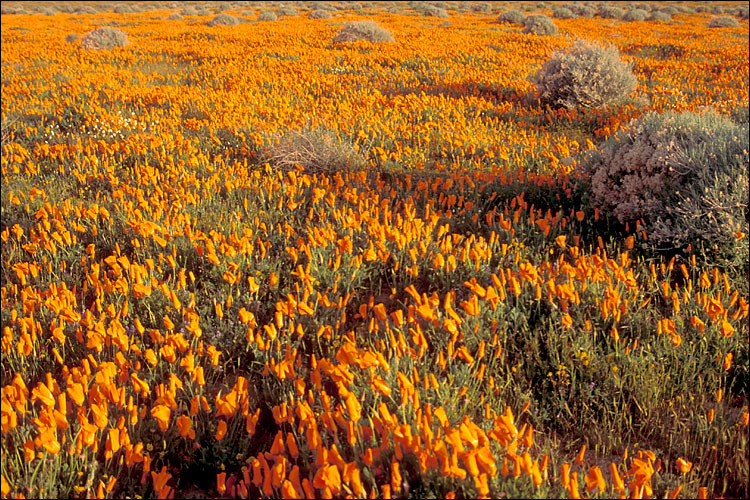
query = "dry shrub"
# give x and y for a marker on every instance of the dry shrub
(723, 22)
(362, 30)
(539, 24)
(585, 76)
(104, 38)
(320, 14)
(224, 20)
(316, 150)
(512, 17)
(267, 15)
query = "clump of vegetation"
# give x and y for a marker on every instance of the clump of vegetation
(583, 10)
(267, 15)
(175, 17)
(104, 38)
(320, 14)
(288, 11)
(512, 17)
(685, 175)
(430, 10)
(539, 24)
(72, 37)
(585, 76)
(635, 15)
(11, 9)
(224, 20)
(723, 22)
(362, 30)
(317, 150)
(668, 9)
(563, 13)
(481, 8)
(607, 12)
(122, 9)
(660, 16)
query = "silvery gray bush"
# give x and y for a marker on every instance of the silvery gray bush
(512, 17)
(539, 24)
(362, 30)
(585, 76)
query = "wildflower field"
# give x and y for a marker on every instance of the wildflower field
(322, 249)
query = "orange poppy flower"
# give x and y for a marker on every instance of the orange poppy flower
(185, 425)
(160, 479)
(616, 479)
(221, 431)
(161, 413)
(288, 490)
(328, 477)
(221, 482)
(683, 465)
(75, 391)
(595, 480)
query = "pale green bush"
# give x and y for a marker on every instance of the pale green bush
(104, 38)
(635, 15)
(608, 12)
(563, 13)
(481, 8)
(288, 11)
(362, 30)
(723, 22)
(585, 76)
(660, 15)
(267, 15)
(432, 11)
(583, 10)
(684, 174)
(224, 20)
(512, 17)
(320, 14)
(539, 25)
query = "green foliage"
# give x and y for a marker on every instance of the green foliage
(362, 30)
(585, 76)
(104, 38)
(539, 24)
(685, 175)
(175, 17)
